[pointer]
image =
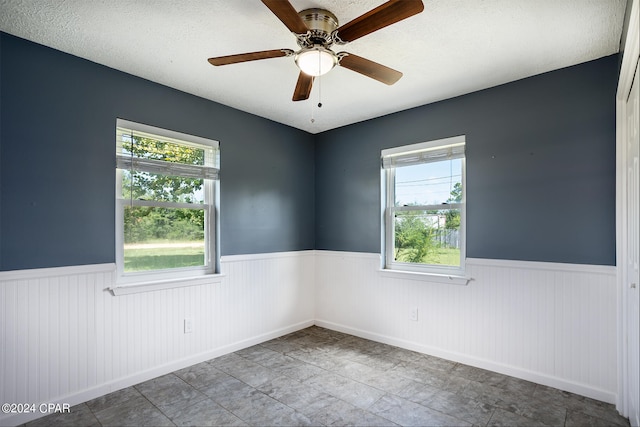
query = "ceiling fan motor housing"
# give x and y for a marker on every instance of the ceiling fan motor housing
(321, 24)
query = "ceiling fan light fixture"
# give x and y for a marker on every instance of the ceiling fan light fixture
(316, 30)
(316, 61)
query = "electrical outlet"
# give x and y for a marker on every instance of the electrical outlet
(188, 325)
(413, 314)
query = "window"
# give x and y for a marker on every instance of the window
(165, 203)
(424, 212)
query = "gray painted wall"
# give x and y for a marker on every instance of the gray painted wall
(540, 168)
(57, 161)
(540, 164)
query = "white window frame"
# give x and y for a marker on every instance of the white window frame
(414, 153)
(210, 190)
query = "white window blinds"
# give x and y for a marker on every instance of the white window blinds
(126, 157)
(166, 168)
(422, 155)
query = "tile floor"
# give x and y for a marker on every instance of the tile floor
(321, 377)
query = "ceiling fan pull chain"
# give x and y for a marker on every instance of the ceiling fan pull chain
(319, 83)
(313, 120)
(319, 92)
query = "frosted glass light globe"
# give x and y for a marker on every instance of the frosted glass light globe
(316, 61)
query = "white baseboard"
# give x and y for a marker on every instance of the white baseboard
(157, 371)
(513, 371)
(550, 323)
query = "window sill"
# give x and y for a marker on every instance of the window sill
(157, 285)
(426, 277)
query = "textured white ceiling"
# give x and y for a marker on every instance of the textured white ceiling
(452, 48)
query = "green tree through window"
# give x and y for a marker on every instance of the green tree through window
(165, 199)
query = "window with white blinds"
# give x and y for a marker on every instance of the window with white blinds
(424, 212)
(166, 186)
(427, 154)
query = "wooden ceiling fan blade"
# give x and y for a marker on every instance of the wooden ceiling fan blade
(369, 68)
(384, 15)
(251, 56)
(303, 87)
(287, 14)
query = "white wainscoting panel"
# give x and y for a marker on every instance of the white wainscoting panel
(554, 324)
(66, 338)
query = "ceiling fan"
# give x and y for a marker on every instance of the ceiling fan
(316, 30)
